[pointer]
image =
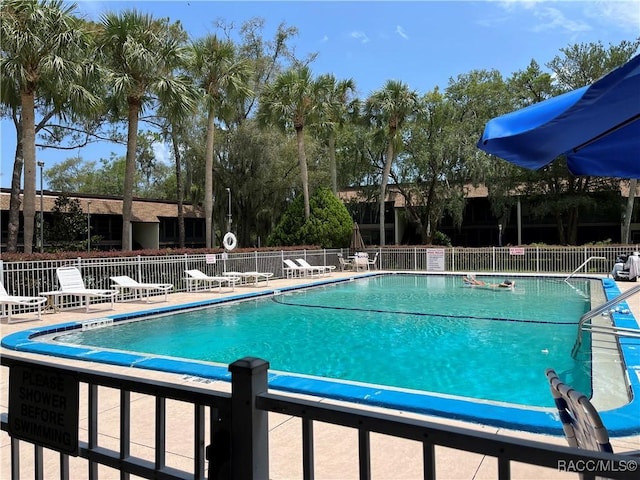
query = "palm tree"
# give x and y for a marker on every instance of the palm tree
(219, 72)
(43, 48)
(334, 110)
(293, 101)
(388, 109)
(173, 125)
(142, 54)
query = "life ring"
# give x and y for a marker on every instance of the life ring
(230, 241)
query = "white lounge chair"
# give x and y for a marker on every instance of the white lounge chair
(125, 282)
(253, 277)
(321, 269)
(194, 277)
(72, 284)
(292, 269)
(9, 301)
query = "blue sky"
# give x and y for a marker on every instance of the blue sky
(422, 43)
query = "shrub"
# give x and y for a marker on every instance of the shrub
(440, 238)
(329, 224)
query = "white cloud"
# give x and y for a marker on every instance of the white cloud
(325, 39)
(400, 31)
(553, 19)
(358, 35)
(161, 152)
(623, 14)
(578, 16)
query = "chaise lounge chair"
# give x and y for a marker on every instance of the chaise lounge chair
(292, 269)
(253, 277)
(72, 284)
(28, 302)
(321, 269)
(125, 282)
(194, 277)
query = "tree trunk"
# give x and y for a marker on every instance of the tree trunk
(626, 232)
(29, 150)
(332, 163)
(208, 180)
(180, 188)
(14, 201)
(560, 229)
(304, 173)
(130, 174)
(572, 225)
(383, 188)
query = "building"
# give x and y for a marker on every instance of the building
(154, 222)
(480, 227)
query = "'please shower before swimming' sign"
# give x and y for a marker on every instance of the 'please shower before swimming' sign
(43, 407)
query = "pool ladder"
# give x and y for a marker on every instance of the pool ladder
(611, 330)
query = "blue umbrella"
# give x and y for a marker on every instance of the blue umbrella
(596, 127)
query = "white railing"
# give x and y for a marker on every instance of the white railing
(29, 278)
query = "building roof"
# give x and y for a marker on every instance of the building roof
(481, 191)
(143, 210)
(393, 195)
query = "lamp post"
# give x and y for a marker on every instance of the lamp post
(229, 214)
(213, 219)
(499, 234)
(88, 225)
(41, 165)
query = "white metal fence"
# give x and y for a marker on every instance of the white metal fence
(29, 278)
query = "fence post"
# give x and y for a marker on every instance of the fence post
(282, 263)
(249, 426)
(493, 259)
(453, 259)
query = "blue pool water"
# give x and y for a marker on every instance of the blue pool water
(422, 332)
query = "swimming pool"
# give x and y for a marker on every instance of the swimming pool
(433, 335)
(420, 332)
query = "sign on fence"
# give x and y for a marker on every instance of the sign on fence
(435, 259)
(516, 251)
(210, 258)
(43, 407)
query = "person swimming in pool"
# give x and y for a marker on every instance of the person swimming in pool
(473, 281)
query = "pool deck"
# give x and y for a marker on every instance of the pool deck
(335, 447)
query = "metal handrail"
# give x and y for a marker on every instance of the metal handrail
(583, 264)
(613, 330)
(597, 311)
